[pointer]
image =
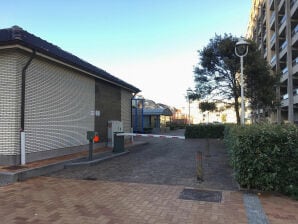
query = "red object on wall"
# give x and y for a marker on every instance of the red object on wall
(96, 138)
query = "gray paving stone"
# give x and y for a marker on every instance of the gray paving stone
(254, 210)
(164, 161)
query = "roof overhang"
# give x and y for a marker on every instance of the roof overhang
(51, 52)
(158, 112)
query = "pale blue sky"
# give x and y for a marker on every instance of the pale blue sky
(151, 44)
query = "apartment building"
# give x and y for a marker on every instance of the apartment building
(273, 26)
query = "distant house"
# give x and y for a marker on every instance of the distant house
(180, 117)
(149, 116)
(156, 119)
(53, 98)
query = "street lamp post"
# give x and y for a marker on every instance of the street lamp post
(241, 50)
(189, 92)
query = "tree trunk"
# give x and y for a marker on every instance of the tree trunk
(236, 107)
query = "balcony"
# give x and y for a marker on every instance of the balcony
(285, 75)
(265, 53)
(273, 61)
(295, 35)
(281, 5)
(272, 20)
(295, 66)
(259, 30)
(294, 7)
(285, 97)
(293, 2)
(259, 14)
(285, 100)
(271, 5)
(259, 40)
(282, 24)
(272, 41)
(295, 96)
(295, 99)
(284, 45)
(264, 21)
(283, 20)
(283, 49)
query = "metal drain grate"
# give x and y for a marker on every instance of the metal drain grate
(201, 195)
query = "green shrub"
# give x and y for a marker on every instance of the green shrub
(265, 156)
(175, 126)
(147, 130)
(205, 131)
(292, 191)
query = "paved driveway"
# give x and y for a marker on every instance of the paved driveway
(163, 161)
(143, 186)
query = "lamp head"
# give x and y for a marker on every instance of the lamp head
(241, 48)
(189, 91)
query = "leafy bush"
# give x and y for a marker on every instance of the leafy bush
(147, 130)
(205, 131)
(175, 126)
(292, 191)
(265, 156)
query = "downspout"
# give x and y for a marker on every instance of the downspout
(143, 115)
(131, 116)
(23, 91)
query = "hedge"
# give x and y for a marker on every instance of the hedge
(205, 131)
(265, 157)
(175, 126)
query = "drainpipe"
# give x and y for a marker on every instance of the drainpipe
(23, 88)
(131, 116)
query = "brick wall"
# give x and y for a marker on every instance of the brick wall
(9, 103)
(108, 102)
(58, 107)
(126, 111)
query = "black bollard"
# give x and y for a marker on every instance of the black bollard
(199, 166)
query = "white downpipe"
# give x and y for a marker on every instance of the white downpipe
(23, 151)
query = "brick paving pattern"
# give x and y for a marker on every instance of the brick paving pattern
(143, 186)
(280, 209)
(52, 200)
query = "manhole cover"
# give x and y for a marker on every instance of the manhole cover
(14, 167)
(201, 195)
(90, 178)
